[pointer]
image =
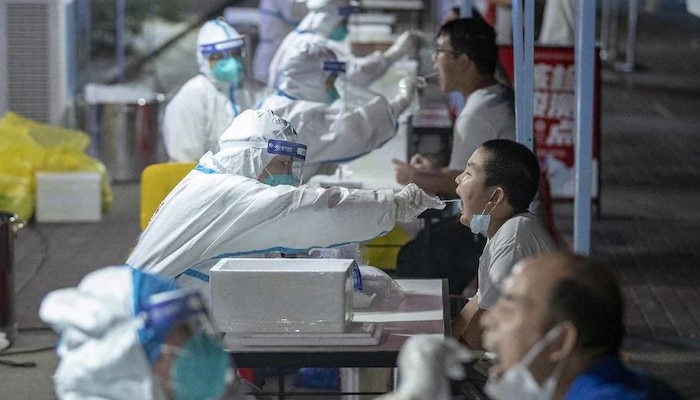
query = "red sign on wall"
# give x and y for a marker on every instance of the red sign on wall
(553, 115)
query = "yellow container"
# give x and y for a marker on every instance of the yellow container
(157, 180)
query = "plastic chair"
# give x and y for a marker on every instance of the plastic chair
(382, 252)
(157, 180)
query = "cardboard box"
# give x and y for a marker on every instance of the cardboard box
(281, 295)
(68, 197)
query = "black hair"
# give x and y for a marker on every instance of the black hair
(475, 38)
(590, 298)
(514, 167)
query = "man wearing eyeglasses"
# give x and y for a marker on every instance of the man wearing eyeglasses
(465, 60)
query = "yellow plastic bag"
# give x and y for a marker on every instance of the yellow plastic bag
(48, 136)
(20, 155)
(27, 146)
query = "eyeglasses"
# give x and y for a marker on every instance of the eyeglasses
(441, 50)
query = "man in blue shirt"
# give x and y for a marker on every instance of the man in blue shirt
(557, 329)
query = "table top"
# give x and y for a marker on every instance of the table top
(424, 310)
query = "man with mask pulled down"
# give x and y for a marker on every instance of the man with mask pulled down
(243, 201)
(337, 126)
(327, 20)
(495, 189)
(125, 334)
(207, 103)
(556, 330)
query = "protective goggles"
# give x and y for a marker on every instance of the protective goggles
(292, 160)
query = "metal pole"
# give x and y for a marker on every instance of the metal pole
(631, 47)
(119, 37)
(523, 53)
(8, 323)
(605, 30)
(528, 86)
(466, 10)
(585, 75)
(614, 28)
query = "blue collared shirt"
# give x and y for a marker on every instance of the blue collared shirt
(609, 379)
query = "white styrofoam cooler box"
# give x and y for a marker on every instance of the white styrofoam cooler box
(68, 197)
(281, 295)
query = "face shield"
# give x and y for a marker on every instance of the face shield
(226, 63)
(340, 30)
(287, 164)
(222, 52)
(199, 366)
(303, 75)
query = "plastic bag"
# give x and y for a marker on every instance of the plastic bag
(27, 146)
(383, 289)
(20, 156)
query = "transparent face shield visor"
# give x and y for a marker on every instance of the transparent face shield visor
(228, 59)
(287, 166)
(200, 368)
(182, 310)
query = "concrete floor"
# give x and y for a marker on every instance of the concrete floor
(649, 225)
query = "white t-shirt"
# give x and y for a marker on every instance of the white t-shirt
(487, 114)
(520, 237)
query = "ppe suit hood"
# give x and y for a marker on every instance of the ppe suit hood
(323, 16)
(302, 75)
(101, 354)
(215, 34)
(243, 145)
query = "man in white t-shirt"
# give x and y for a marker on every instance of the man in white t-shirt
(496, 187)
(465, 59)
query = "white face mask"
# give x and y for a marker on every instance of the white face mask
(480, 222)
(518, 383)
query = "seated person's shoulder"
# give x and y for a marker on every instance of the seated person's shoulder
(609, 379)
(526, 229)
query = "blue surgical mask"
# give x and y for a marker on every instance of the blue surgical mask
(339, 33)
(280, 179)
(480, 222)
(228, 70)
(333, 95)
(200, 369)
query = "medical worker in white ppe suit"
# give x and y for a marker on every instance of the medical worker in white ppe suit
(207, 103)
(129, 335)
(243, 201)
(277, 19)
(335, 127)
(327, 19)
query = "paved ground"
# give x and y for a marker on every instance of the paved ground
(649, 228)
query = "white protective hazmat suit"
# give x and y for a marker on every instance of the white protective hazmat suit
(204, 106)
(220, 209)
(357, 123)
(323, 17)
(277, 19)
(114, 327)
(101, 355)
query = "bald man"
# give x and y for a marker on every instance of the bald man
(557, 329)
